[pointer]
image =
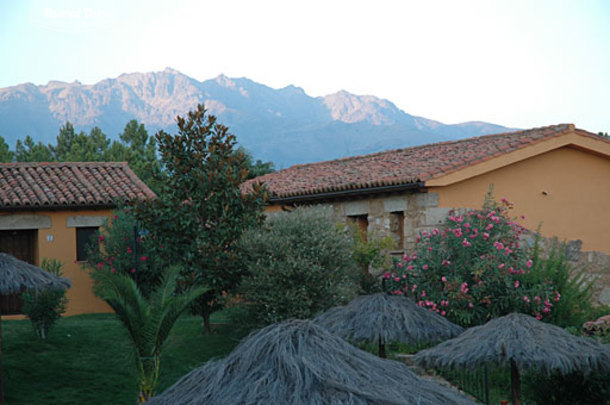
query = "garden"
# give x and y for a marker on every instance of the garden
(214, 304)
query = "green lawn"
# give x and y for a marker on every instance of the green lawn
(87, 359)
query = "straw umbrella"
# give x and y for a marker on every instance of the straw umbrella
(16, 276)
(383, 318)
(298, 362)
(522, 342)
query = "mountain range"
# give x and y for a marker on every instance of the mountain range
(285, 126)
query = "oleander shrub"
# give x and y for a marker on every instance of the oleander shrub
(473, 269)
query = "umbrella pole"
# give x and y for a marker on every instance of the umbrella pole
(1, 389)
(381, 349)
(515, 383)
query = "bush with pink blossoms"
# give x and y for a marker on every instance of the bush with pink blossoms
(473, 269)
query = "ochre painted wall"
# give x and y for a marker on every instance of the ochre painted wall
(566, 191)
(63, 248)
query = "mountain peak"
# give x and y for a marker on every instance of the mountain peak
(224, 81)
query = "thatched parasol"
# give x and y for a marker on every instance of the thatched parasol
(298, 362)
(522, 342)
(16, 276)
(383, 318)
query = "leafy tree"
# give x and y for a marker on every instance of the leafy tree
(255, 168)
(300, 264)
(6, 155)
(201, 213)
(29, 151)
(148, 320)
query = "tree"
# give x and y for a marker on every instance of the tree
(200, 213)
(255, 168)
(28, 151)
(139, 150)
(72, 147)
(148, 320)
(6, 155)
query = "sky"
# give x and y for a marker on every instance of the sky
(518, 63)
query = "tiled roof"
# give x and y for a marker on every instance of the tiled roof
(400, 166)
(73, 185)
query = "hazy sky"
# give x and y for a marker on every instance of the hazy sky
(516, 63)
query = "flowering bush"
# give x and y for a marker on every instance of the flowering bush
(472, 269)
(125, 248)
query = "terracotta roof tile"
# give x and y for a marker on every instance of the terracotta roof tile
(71, 184)
(401, 166)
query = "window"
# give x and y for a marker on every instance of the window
(84, 237)
(362, 223)
(397, 228)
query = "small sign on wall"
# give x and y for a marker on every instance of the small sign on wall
(49, 238)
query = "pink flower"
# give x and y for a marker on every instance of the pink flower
(517, 284)
(133, 270)
(444, 279)
(538, 316)
(499, 245)
(143, 258)
(501, 266)
(526, 299)
(399, 264)
(537, 299)
(488, 227)
(465, 243)
(425, 267)
(386, 276)
(101, 238)
(470, 305)
(446, 262)
(116, 217)
(414, 287)
(485, 236)
(443, 313)
(529, 263)
(457, 232)
(100, 265)
(112, 270)
(128, 249)
(464, 288)
(423, 294)
(557, 296)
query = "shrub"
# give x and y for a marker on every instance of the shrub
(127, 249)
(45, 307)
(473, 269)
(371, 256)
(575, 306)
(299, 264)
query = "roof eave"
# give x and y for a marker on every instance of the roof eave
(413, 187)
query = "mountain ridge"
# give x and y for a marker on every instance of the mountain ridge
(284, 125)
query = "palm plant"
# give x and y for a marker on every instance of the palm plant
(148, 320)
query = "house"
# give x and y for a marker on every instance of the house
(558, 178)
(50, 210)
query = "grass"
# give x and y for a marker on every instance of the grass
(88, 359)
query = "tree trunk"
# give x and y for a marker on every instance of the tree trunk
(1, 389)
(205, 315)
(515, 383)
(382, 353)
